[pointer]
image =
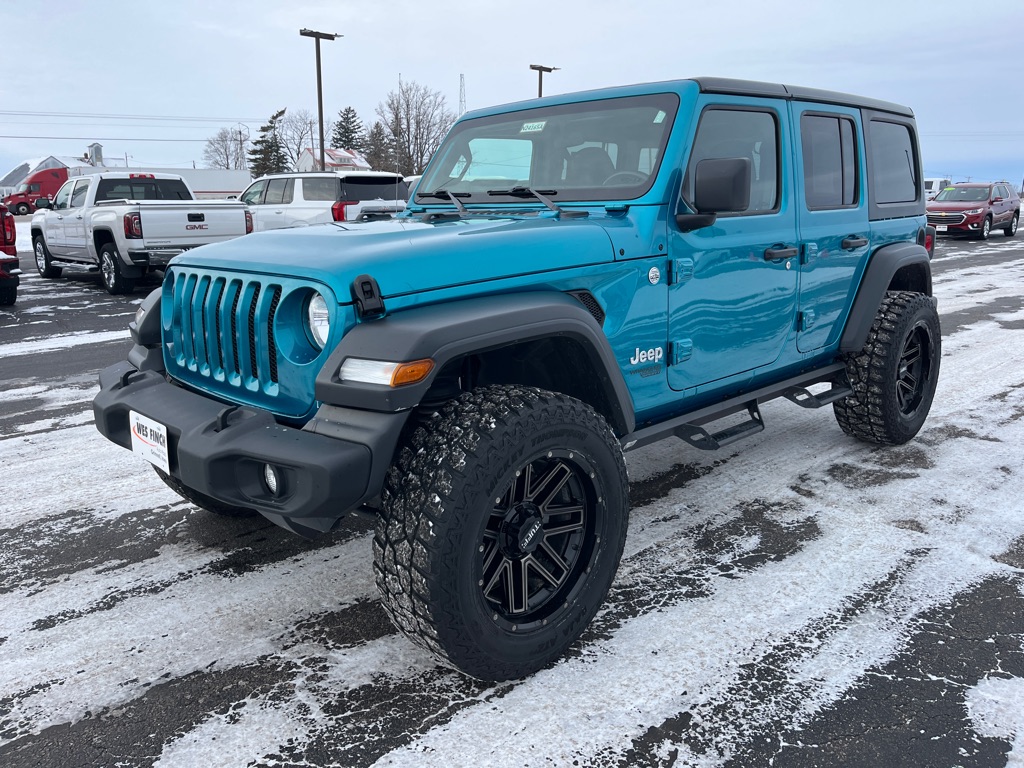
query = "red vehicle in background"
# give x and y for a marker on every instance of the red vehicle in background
(9, 266)
(44, 183)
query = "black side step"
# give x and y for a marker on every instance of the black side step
(807, 399)
(699, 437)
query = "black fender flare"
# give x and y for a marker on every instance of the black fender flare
(884, 265)
(448, 331)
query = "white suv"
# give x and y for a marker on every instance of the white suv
(282, 200)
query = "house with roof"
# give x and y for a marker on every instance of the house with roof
(334, 159)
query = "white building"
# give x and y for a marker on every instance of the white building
(334, 159)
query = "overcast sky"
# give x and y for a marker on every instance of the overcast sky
(231, 62)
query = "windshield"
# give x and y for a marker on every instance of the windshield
(22, 189)
(962, 195)
(594, 150)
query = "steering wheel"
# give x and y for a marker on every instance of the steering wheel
(624, 177)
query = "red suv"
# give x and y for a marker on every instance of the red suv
(9, 270)
(975, 209)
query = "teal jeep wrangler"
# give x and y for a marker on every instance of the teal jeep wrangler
(575, 277)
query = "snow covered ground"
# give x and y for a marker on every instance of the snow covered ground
(772, 599)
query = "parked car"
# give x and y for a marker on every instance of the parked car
(10, 268)
(127, 224)
(932, 187)
(975, 209)
(285, 200)
(576, 277)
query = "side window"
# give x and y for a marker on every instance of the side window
(893, 163)
(1002, 191)
(279, 191)
(830, 161)
(750, 134)
(78, 196)
(322, 188)
(33, 188)
(253, 194)
(60, 200)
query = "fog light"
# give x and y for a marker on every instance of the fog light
(270, 478)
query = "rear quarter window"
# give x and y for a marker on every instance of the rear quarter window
(893, 162)
(321, 189)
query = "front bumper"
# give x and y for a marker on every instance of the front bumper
(221, 450)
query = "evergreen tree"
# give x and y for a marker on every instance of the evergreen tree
(268, 154)
(348, 131)
(380, 148)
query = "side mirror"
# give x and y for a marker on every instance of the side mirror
(43, 202)
(721, 185)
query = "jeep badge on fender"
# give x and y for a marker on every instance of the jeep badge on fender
(572, 278)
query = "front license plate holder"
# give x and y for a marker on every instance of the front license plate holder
(149, 440)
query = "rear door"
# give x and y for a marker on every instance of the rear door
(732, 298)
(373, 195)
(74, 222)
(835, 234)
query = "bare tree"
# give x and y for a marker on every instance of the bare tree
(418, 119)
(227, 148)
(300, 130)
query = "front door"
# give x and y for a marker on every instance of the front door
(54, 220)
(732, 298)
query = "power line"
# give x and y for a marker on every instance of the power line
(105, 138)
(100, 116)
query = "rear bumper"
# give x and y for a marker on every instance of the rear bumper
(221, 451)
(10, 271)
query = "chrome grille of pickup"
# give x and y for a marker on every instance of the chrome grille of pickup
(203, 305)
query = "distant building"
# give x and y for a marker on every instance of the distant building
(334, 159)
(16, 175)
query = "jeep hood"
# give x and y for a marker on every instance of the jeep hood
(407, 255)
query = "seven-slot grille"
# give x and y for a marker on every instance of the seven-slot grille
(223, 328)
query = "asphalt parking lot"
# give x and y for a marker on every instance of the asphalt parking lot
(799, 599)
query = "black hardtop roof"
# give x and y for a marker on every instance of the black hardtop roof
(735, 87)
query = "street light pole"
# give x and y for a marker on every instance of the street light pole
(318, 36)
(541, 69)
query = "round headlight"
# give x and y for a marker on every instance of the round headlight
(319, 318)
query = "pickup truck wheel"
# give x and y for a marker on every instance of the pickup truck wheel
(43, 264)
(1011, 230)
(110, 267)
(203, 501)
(895, 375)
(21, 209)
(501, 526)
(986, 228)
(8, 295)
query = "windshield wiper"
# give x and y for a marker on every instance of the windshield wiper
(529, 192)
(444, 194)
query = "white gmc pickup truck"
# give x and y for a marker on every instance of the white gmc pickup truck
(126, 224)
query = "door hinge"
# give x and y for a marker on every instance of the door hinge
(679, 270)
(804, 319)
(808, 253)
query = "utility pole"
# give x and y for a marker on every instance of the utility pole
(318, 36)
(541, 69)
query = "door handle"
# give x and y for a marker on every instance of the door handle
(853, 242)
(780, 252)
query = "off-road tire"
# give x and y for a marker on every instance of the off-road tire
(111, 273)
(201, 500)
(8, 295)
(1011, 230)
(503, 486)
(894, 376)
(42, 255)
(986, 229)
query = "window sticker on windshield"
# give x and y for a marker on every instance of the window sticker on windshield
(533, 127)
(660, 117)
